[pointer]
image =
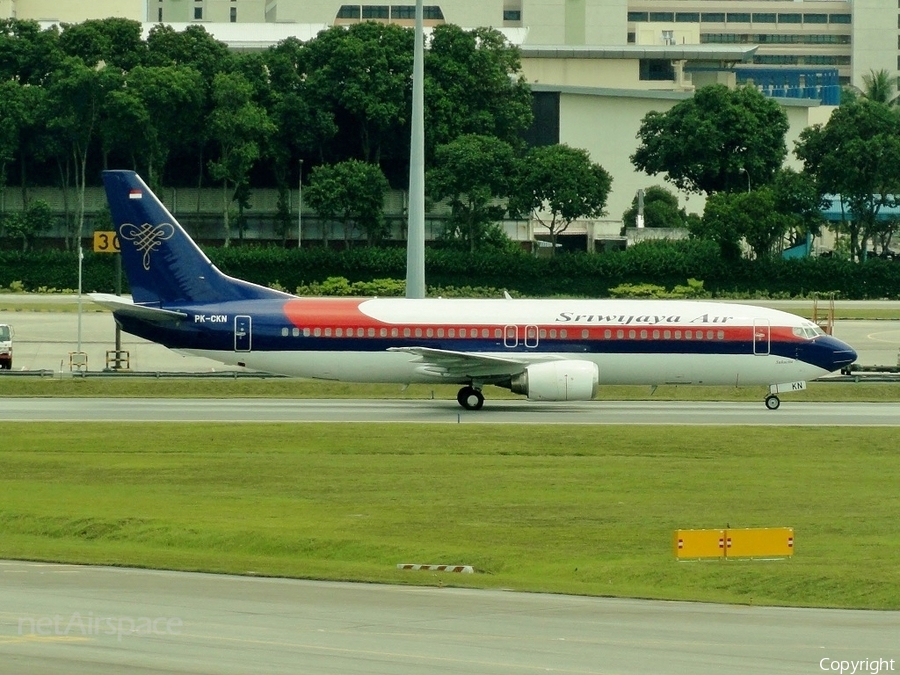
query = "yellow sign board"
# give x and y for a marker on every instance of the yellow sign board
(755, 542)
(106, 242)
(699, 543)
(760, 542)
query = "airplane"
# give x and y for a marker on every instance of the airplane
(546, 350)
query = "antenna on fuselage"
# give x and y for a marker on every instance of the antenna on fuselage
(415, 237)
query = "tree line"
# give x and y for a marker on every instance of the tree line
(182, 109)
(729, 145)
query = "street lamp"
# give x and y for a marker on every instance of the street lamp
(300, 207)
(748, 178)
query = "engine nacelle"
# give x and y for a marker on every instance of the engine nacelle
(558, 381)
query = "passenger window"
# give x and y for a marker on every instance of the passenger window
(656, 335)
(406, 332)
(485, 332)
(284, 332)
(317, 332)
(643, 335)
(382, 332)
(451, 332)
(429, 332)
(563, 333)
(296, 332)
(371, 332)
(543, 333)
(306, 332)
(338, 332)
(440, 332)
(631, 335)
(721, 334)
(395, 332)
(620, 334)
(418, 332)
(607, 333)
(327, 332)
(553, 333)
(584, 334)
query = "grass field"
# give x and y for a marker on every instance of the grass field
(586, 510)
(293, 388)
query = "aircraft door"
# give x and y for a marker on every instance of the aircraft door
(510, 336)
(242, 334)
(762, 336)
(531, 336)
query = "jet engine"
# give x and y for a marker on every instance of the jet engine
(558, 381)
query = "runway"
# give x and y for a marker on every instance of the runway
(74, 620)
(446, 412)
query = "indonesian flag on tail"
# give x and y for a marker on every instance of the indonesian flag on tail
(135, 194)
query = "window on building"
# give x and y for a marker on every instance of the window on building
(233, 15)
(790, 18)
(403, 12)
(375, 12)
(630, 38)
(640, 16)
(512, 15)
(712, 17)
(838, 18)
(198, 13)
(656, 70)
(348, 12)
(662, 16)
(159, 15)
(432, 13)
(815, 18)
(738, 17)
(687, 17)
(763, 17)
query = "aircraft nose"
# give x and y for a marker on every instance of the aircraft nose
(842, 354)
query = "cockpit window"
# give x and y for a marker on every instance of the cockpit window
(4, 333)
(809, 332)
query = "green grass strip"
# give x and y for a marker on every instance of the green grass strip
(569, 509)
(149, 387)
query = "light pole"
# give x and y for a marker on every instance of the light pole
(300, 207)
(748, 178)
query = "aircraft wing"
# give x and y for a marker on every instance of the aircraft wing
(123, 306)
(463, 364)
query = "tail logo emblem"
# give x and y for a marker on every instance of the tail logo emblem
(146, 237)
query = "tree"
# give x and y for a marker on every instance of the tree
(472, 173)
(239, 127)
(36, 218)
(660, 210)
(77, 95)
(557, 184)
(714, 141)
(879, 87)
(796, 196)
(363, 74)
(114, 42)
(350, 192)
(730, 217)
(856, 157)
(473, 85)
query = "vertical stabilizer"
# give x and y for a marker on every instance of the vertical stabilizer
(163, 264)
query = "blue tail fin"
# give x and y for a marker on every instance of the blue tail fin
(163, 264)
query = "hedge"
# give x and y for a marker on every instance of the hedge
(665, 264)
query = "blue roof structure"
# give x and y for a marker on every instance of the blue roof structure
(835, 213)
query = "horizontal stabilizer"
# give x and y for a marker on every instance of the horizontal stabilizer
(120, 305)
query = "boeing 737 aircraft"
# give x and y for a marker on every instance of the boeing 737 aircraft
(547, 350)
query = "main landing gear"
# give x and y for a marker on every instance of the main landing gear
(470, 398)
(772, 402)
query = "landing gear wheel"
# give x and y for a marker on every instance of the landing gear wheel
(470, 398)
(772, 402)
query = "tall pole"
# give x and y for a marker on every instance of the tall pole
(80, 266)
(415, 242)
(300, 207)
